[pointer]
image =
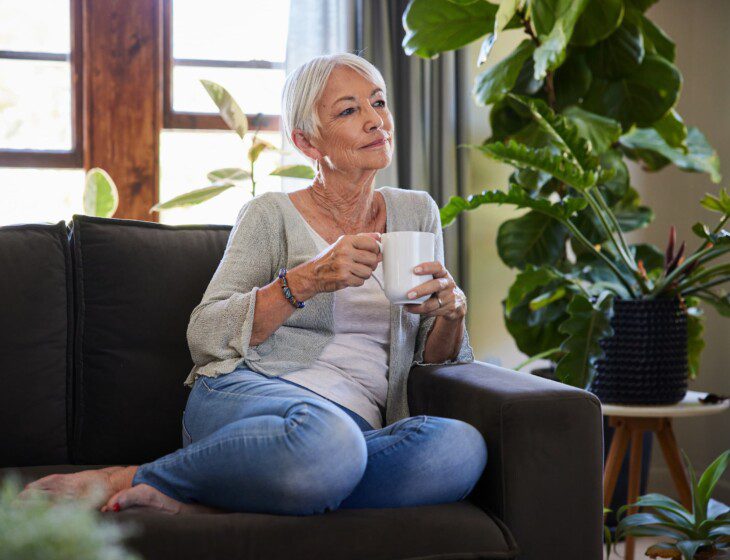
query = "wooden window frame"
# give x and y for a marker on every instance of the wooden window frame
(204, 121)
(56, 158)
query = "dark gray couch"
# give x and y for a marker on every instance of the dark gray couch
(93, 354)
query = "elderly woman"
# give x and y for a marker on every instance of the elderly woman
(299, 356)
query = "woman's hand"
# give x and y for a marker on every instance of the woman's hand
(349, 261)
(442, 287)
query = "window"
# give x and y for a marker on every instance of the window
(242, 46)
(40, 116)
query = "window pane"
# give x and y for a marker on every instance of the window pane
(40, 195)
(186, 157)
(255, 90)
(230, 29)
(35, 105)
(35, 25)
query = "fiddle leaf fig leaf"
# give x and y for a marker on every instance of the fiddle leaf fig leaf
(587, 324)
(516, 195)
(672, 129)
(534, 238)
(492, 84)
(701, 157)
(554, 22)
(655, 40)
(599, 20)
(601, 131)
(435, 27)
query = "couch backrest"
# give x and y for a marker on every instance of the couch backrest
(134, 285)
(36, 322)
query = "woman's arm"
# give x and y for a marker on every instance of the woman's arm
(444, 341)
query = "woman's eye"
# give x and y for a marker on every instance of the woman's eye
(345, 113)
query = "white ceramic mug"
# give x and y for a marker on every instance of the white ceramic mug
(402, 252)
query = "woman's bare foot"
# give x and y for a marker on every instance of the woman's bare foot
(94, 486)
(144, 496)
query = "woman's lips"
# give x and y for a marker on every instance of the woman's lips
(377, 144)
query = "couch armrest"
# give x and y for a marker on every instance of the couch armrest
(544, 473)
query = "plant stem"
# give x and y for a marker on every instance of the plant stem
(539, 356)
(702, 287)
(710, 252)
(580, 237)
(612, 217)
(687, 282)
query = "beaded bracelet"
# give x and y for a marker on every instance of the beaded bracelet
(287, 291)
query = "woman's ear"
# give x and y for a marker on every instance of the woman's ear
(302, 142)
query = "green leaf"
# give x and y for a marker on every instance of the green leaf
(672, 129)
(506, 11)
(541, 159)
(492, 84)
(620, 54)
(630, 214)
(632, 524)
(294, 171)
(695, 341)
(587, 325)
(505, 119)
(615, 188)
(659, 501)
(559, 210)
(655, 40)
(533, 238)
(641, 97)
(229, 174)
(554, 22)
(599, 19)
(721, 302)
(101, 197)
(259, 146)
(720, 203)
(601, 131)
(689, 548)
(701, 157)
(229, 110)
(572, 80)
(193, 197)
(433, 27)
(526, 282)
(547, 298)
(711, 476)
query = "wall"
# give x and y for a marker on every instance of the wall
(699, 29)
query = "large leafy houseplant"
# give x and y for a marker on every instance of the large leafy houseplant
(223, 179)
(702, 534)
(592, 83)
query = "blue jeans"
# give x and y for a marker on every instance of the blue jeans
(253, 443)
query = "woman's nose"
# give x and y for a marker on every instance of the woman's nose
(373, 119)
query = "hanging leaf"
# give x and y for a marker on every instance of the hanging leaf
(231, 174)
(193, 197)
(672, 129)
(640, 97)
(101, 197)
(554, 22)
(655, 40)
(435, 27)
(517, 196)
(492, 84)
(258, 146)
(294, 171)
(701, 157)
(587, 325)
(620, 54)
(229, 110)
(599, 19)
(534, 238)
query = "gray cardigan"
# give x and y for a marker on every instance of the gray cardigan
(268, 234)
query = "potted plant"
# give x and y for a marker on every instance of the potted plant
(702, 534)
(37, 526)
(591, 84)
(223, 179)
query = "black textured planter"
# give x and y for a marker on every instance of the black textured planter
(645, 360)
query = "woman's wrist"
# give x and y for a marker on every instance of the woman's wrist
(300, 283)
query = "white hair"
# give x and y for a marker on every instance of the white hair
(305, 84)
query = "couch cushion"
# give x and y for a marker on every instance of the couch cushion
(136, 285)
(445, 531)
(35, 343)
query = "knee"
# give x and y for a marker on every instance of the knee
(463, 441)
(332, 464)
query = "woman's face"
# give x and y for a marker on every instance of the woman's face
(353, 113)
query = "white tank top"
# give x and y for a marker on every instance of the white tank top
(352, 370)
